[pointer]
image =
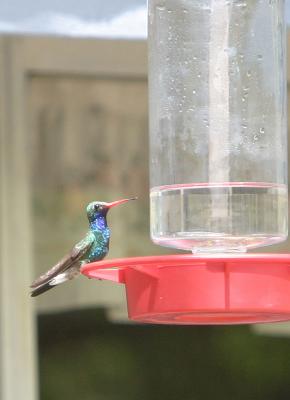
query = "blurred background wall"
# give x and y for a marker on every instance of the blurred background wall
(73, 128)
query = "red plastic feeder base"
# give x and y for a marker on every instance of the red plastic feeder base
(187, 289)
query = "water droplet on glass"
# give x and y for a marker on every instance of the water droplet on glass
(262, 130)
(194, 91)
(249, 73)
(246, 91)
(242, 4)
(260, 57)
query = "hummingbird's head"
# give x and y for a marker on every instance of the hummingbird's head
(98, 209)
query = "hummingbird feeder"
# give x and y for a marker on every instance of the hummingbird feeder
(218, 172)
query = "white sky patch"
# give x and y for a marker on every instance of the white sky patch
(129, 25)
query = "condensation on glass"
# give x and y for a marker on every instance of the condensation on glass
(218, 138)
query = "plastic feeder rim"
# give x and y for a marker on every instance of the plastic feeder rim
(211, 289)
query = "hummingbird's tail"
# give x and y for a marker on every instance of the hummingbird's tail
(41, 289)
(69, 274)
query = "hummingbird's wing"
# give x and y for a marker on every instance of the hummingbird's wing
(77, 252)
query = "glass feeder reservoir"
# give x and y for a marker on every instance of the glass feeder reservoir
(218, 138)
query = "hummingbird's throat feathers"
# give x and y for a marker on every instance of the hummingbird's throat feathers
(98, 223)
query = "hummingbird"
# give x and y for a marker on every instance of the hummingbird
(93, 247)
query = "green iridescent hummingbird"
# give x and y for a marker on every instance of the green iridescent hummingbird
(94, 247)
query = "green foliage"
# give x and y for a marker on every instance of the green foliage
(84, 357)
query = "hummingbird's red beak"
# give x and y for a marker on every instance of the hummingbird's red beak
(116, 203)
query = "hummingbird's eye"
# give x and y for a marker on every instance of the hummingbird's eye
(97, 208)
